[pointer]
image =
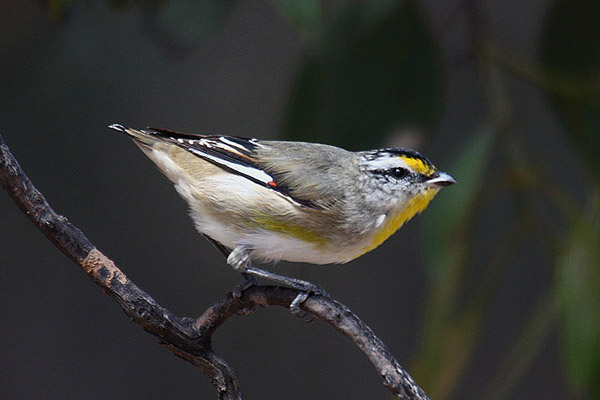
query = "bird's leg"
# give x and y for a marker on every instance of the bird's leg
(249, 280)
(299, 284)
(239, 259)
(305, 288)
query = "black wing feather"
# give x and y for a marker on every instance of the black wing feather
(232, 153)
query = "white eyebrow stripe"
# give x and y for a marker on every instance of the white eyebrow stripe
(252, 172)
(388, 163)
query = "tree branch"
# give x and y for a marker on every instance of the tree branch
(190, 338)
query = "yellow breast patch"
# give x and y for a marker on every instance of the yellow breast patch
(394, 222)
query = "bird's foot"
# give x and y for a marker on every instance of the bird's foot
(299, 284)
(306, 289)
(249, 281)
(239, 289)
(295, 307)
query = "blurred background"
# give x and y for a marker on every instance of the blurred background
(493, 293)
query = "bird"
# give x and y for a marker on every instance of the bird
(266, 201)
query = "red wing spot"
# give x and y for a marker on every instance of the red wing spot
(272, 184)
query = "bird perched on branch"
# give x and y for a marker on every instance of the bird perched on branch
(302, 202)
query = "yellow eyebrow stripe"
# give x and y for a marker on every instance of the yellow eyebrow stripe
(418, 165)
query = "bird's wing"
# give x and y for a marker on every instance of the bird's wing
(236, 155)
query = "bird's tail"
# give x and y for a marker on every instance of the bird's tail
(141, 137)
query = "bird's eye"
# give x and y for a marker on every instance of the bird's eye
(399, 172)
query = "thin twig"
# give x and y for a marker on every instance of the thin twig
(190, 338)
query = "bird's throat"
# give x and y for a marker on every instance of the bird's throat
(394, 222)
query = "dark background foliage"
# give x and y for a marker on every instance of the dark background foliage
(492, 293)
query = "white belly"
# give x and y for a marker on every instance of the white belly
(271, 246)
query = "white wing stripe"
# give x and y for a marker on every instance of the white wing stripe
(231, 143)
(255, 173)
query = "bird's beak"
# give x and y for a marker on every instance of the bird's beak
(441, 179)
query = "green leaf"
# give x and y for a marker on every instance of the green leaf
(446, 223)
(578, 290)
(525, 349)
(571, 51)
(371, 73)
(447, 216)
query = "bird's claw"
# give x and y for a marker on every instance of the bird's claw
(295, 305)
(238, 290)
